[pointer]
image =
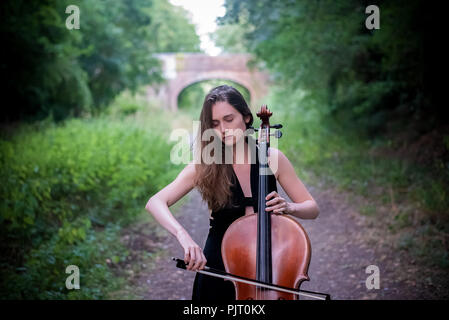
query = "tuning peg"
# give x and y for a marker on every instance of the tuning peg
(252, 128)
(276, 126)
(277, 134)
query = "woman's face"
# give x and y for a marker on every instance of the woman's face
(228, 122)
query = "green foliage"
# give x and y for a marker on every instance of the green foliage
(231, 38)
(51, 70)
(43, 275)
(171, 30)
(81, 162)
(123, 105)
(365, 79)
(40, 70)
(415, 197)
(67, 190)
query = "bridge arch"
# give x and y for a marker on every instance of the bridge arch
(211, 76)
(205, 86)
(182, 70)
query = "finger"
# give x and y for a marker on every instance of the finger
(273, 208)
(192, 258)
(204, 261)
(268, 208)
(186, 256)
(199, 259)
(271, 195)
(274, 201)
(281, 210)
(280, 202)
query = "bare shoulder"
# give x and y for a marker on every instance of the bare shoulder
(189, 172)
(277, 161)
(287, 177)
(275, 152)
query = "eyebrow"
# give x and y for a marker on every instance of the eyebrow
(231, 114)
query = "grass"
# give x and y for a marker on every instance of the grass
(69, 189)
(142, 259)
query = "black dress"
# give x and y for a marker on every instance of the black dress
(208, 288)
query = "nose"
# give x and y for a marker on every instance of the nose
(223, 130)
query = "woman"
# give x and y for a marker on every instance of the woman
(229, 186)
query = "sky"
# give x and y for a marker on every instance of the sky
(203, 15)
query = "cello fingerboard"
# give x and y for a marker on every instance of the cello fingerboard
(264, 263)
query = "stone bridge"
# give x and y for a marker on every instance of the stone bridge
(184, 69)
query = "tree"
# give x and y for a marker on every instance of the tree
(50, 70)
(370, 79)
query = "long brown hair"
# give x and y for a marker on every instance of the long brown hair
(214, 180)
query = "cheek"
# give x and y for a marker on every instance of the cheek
(242, 129)
(238, 126)
(217, 133)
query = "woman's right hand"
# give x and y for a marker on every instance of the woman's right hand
(193, 254)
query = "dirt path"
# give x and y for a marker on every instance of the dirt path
(343, 242)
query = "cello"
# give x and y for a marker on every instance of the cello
(265, 255)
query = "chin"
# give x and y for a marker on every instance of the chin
(233, 141)
(229, 142)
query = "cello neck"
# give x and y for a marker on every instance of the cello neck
(264, 260)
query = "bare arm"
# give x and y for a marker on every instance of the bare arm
(158, 206)
(303, 205)
(159, 203)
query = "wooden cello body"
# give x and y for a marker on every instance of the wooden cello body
(267, 247)
(290, 256)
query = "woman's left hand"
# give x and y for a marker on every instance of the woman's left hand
(277, 204)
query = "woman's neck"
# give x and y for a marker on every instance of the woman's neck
(241, 154)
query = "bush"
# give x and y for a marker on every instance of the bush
(59, 185)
